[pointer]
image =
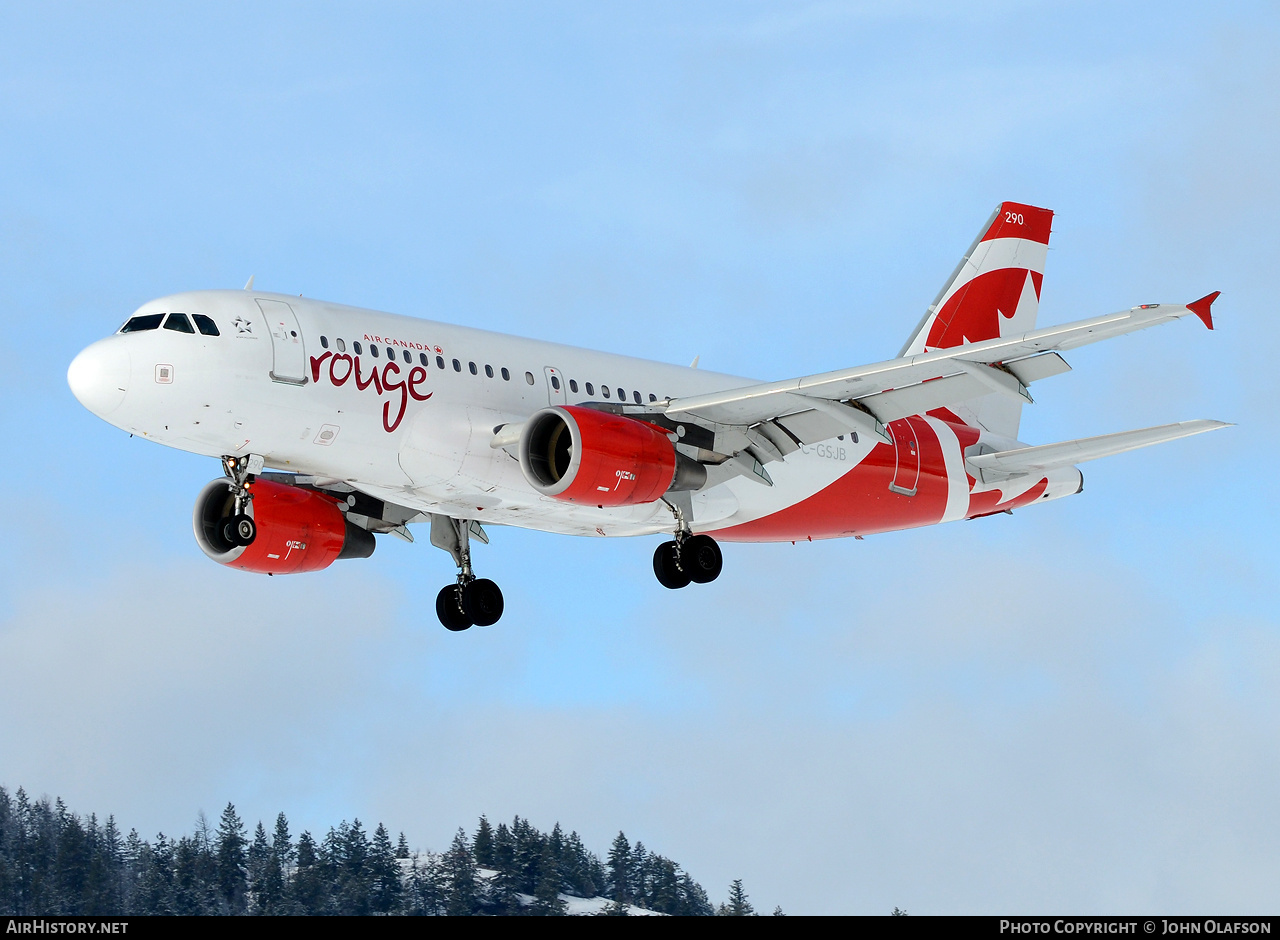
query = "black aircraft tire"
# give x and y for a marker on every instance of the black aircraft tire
(666, 565)
(482, 601)
(246, 530)
(702, 559)
(450, 611)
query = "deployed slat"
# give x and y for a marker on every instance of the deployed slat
(1048, 456)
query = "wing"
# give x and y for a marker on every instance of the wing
(817, 407)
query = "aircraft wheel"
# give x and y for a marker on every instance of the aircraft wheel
(449, 609)
(482, 602)
(701, 558)
(246, 530)
(666, 565)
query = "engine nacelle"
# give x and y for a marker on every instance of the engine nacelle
(583, 455)
(298, 530)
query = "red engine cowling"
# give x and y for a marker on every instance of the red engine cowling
(587, 456)
(298, 530)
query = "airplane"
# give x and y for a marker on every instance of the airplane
(335, 424)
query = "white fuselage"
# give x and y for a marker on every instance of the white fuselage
(266, 385)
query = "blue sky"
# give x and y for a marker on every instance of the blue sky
(1072, 708)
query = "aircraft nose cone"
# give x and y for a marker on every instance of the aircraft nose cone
(99, 376)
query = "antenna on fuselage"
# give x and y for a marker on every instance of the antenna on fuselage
(694, 364)
(248, 285)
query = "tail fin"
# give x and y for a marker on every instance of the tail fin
(993, 292)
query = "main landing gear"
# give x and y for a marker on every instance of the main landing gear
(471, 601)
(239, 527)
(687, 558)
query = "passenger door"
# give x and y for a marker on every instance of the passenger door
(289, 364)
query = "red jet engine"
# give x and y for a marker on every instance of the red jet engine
(583, 455)
(297, 530)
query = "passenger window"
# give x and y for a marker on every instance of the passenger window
(528, 377)
(342, 345)
(141, 324)
(573, 385)
(506, 376)
(422, 358)
(457, 366)
(622, 395)
(635, 396)
(472, 367)
(605, 390)
(205, 325)
(408, 359)
(652, 397)
(179, 323)
(373, 350)
(440, 361)
(324, 342)
(488, 370)
(555, 382)
(356, 347)
(590, 389)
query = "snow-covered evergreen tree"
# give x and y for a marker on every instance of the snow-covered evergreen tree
(482, 845)
(620, 868)
(738, 905)
(459, 870)
(385, 873)
(231, 860)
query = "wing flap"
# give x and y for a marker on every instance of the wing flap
(810, 427)
(1067, 453)
(918, 399)
(1035, 368)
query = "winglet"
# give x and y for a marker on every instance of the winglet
(1201, 308)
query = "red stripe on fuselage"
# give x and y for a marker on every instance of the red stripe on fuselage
(860, 502)
(988, 503)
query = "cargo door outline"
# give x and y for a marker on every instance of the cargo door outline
(289, 359)
(906, 452)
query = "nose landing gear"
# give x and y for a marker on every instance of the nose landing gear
(239, 528)
(471, 601)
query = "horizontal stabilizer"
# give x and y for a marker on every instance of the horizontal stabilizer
(1050, 456)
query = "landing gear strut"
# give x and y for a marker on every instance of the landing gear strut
(471, 601)
(687, 558)
(239, 528)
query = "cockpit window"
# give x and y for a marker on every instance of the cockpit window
(150, 321)
(179, 323)
(205, 325)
